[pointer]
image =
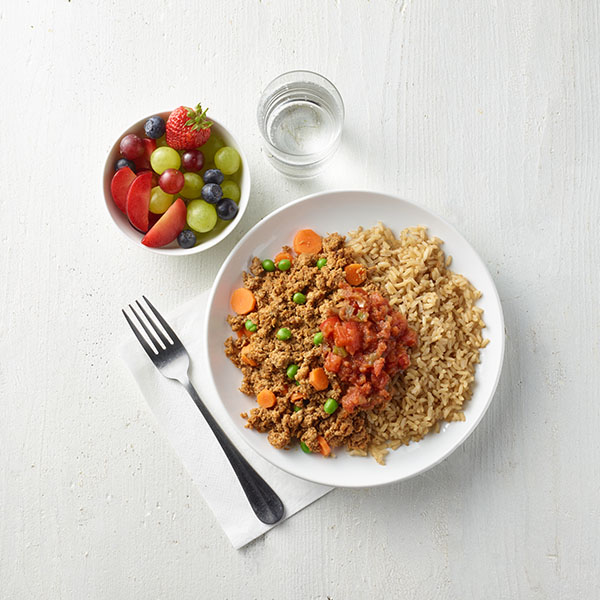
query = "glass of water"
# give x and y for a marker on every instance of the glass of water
(300, 116)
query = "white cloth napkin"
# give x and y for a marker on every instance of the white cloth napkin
(193, 440)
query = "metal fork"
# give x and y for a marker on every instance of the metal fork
(173, 361)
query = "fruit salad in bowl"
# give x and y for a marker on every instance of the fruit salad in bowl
(176, 182)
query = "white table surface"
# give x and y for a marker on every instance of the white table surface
(485, 112)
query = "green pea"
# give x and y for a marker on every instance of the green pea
(318, 339)
(284, 334)
(299, 298)
(305, 448)
(250, 326)
(291, 371)
(297, 408)
(330, 406)
(321, 262)
(268, 264)
(284, 264)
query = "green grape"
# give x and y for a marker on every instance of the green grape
(227, 160)
(192, 186)
(164, 158)
(159, 201)
(231, 190)
(213, 144)
(201, 216)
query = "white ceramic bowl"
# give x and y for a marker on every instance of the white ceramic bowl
(343, 211)
(208, 240)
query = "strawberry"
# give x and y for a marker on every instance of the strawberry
(187, 128)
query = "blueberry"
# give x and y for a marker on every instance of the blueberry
(212, 193)
(227, 209)
(155, 127)
(213, 176)
(123, 162)
(186, 239)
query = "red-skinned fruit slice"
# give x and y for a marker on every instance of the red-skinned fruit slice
(149, 147)
(138, 201)
(143, 162)
(154, 176)
(153, 220)
(169, 226)
(119, 186)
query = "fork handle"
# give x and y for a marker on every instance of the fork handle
(265, 503)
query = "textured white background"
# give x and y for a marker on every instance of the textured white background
(485, 112)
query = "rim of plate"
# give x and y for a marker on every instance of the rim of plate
(473, 423)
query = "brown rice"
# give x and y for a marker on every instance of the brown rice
(440, 305)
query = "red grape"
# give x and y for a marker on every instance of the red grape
(171, 181)
(193, 160)
(131, 147)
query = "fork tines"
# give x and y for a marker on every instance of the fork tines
(155, 334)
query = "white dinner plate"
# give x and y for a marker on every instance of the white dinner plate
(343, 211)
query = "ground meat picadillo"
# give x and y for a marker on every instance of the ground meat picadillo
(357, 381)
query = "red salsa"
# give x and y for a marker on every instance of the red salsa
(366, 344)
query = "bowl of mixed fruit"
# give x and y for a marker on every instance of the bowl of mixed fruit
(176, 182)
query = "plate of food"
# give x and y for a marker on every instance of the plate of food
(354, 338)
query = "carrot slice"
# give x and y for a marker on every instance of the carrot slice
(318, 379)
(245, 358)
(355, 274)
(243, 301)
(308, 242)
(296, 396)
(323, 445)
(243, 333)
(282, 256)
(266, 399)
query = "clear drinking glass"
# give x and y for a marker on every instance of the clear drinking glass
(300, 115)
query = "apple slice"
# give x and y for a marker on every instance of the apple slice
(138, 201)
(168, 227)
(119, 186)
